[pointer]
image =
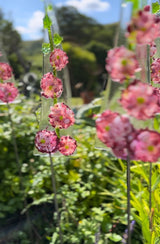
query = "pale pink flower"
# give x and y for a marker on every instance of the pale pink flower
(67, 145)
(58, 59)
(144, 27)
(61, 116)
(146, 146)
(155, 71)
(139, 100)
(115, 131)
(46, 141)
(52, 86)
(5, 71)
(8, 92)
(121, 64)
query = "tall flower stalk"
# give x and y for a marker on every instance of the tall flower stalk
(60, 115)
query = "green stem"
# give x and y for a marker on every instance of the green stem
(55, 198)
(150, 194)
(128, 200)
(14, 141)
(57, 130)
(50, 39)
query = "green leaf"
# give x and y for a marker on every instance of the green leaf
(155, 7)
(49, 7)
(46, 48)
(47, 22)
(114, 237)
(57, 39)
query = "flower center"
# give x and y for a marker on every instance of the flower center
(124, 62)
(107, 128)
(150, 148)
(42, 141)
(66, 147)
(61, 118)
(58, 57)
(140, 100)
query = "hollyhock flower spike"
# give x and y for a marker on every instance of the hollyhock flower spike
(146, 146)
(115, 131)
(155, 71)
(67, 145)
(46, 141)
(144, 27)
(51, 86)
(61, 116)
(121, 64)
(8, 92)
(58, 59)
(139, 100)
(5, 71)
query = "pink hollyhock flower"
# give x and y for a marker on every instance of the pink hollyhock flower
(58, 59)
(146, 146)
(61, 116)
(8, 92)
(139, 100)
(46, 141)
(155, 71)
(121, 64)
(51, 86)
(144, 27)
(5, 71)
(67, 145)
(115, 131)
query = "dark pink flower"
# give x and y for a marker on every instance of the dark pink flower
(146, 146)
(155, 71)
(5, 71)
(61, 116)
(144, 28)
(139, 100)
(8, 92)
(52, 86)
(67, 145)
(121, 64)
(115, 131)
(46, 141)
(58, 59)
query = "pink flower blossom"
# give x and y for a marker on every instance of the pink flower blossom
(8, 92)
(61, 116)
(67, 145)
(121, 64)
(5, 71)
(115, 131)
(155, 71)
(58, 59)
(139, 100)
(51, 86)
(146, 146)
(46, 141)
(144, 27)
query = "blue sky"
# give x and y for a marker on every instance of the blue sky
(27, 15)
